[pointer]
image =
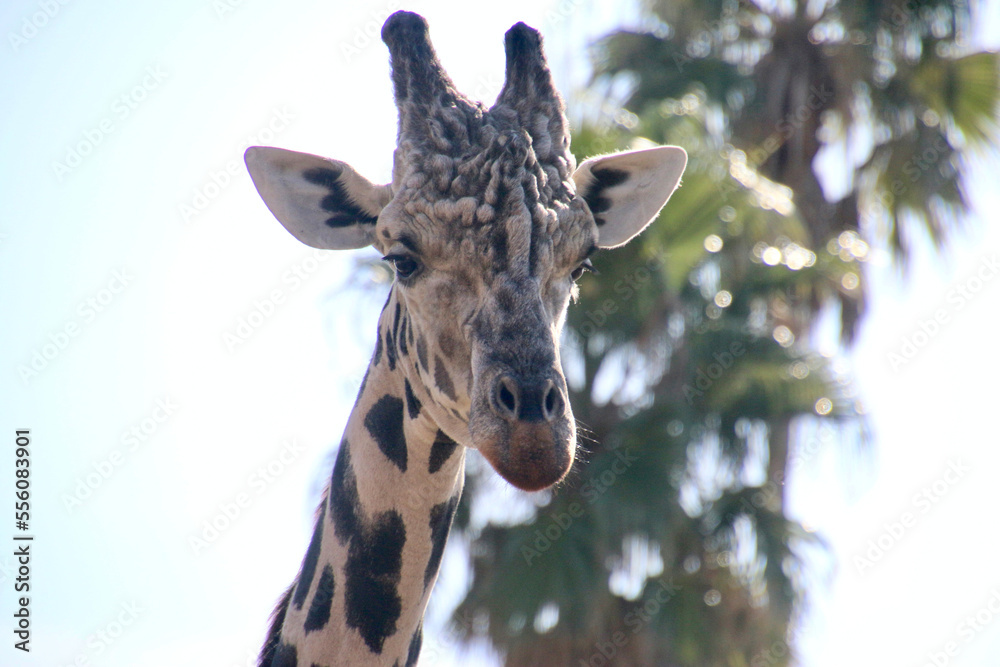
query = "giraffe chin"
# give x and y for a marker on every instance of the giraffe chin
(534, 456)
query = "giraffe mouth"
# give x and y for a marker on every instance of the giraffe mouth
(533, 457)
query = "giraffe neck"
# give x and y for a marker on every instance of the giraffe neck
(373, 558)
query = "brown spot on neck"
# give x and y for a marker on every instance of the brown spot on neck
(443, 380)
(447, 344)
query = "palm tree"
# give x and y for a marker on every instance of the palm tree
(691, 360)
(895, 87)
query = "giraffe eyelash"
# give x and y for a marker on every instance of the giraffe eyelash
(404, 265)
(584, 267)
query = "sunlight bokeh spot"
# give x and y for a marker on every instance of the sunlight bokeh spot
(796, 257)
(546, 618)
(783, 335)
(849, 246)
(692, 564)
(771, 256)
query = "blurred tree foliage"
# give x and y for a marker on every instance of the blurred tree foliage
(815, 131)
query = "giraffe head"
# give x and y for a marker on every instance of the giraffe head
(488, 223)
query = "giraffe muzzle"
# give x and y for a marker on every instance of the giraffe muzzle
(525, 429)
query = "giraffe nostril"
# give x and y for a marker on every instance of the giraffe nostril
(553, 402)
(507, 399)
(506, 395)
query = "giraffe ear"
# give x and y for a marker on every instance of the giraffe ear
(323, 203)
(626, 191)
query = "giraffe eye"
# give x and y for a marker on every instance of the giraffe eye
(404, 265)
(586, 266)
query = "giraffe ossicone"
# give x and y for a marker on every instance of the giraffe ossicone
(488, 222)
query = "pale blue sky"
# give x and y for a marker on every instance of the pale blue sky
(163, 100)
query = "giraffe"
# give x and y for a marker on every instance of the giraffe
(488, 223)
